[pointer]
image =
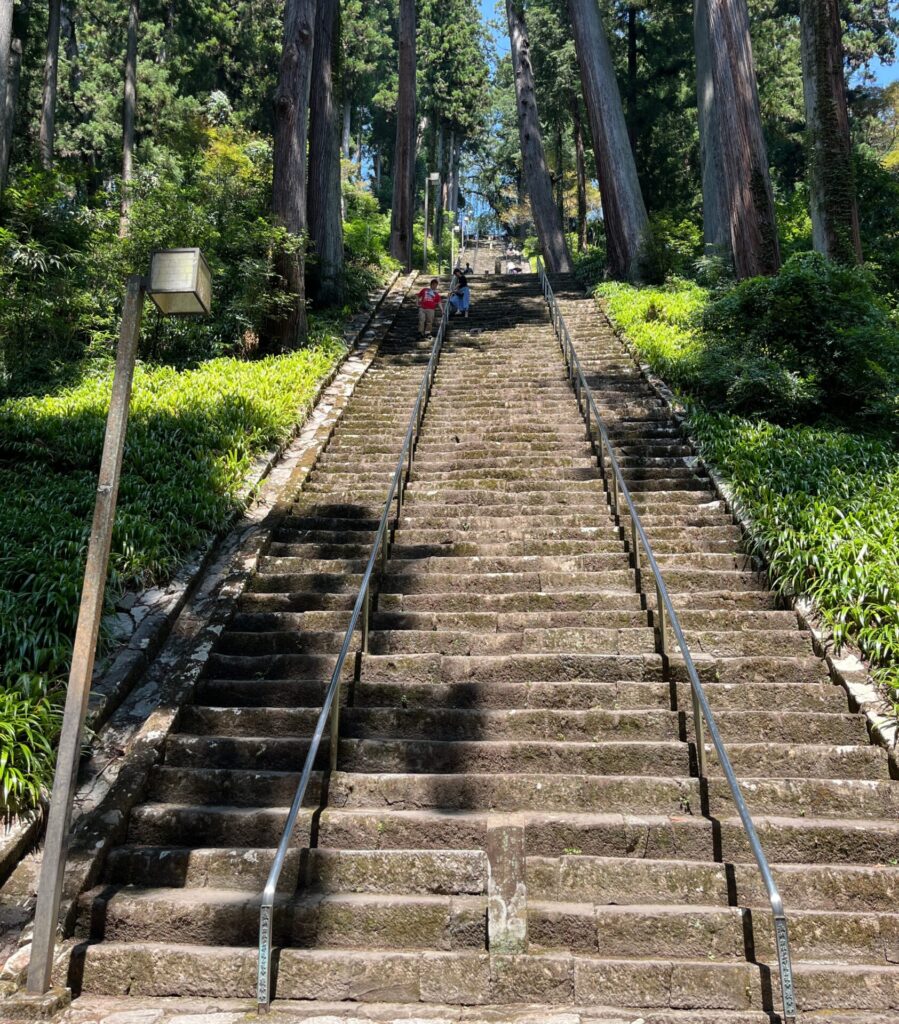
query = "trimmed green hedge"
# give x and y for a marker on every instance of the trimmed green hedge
(192, 437)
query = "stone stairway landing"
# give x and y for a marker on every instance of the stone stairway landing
(515, 820)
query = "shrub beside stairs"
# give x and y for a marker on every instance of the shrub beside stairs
(516, 817)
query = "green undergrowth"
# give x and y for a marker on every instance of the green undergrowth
(823, 496)
(192, 437)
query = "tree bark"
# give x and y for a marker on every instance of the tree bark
(624, 212)
(48, 105)
(715, 214)
(560, 173)
(834, 204)
(533, 156)
(581, 165)
(6, 58)
(325, 224)
(347, 125)
(128, 116)
(632, 78)
(734, 129)
(457, 178)
(289, 168)
(439, 192)
(14, 74)
(404, 153)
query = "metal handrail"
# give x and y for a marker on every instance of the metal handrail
(331, 705)
(701, 707)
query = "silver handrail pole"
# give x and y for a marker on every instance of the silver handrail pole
(330, 705)
(702, 709)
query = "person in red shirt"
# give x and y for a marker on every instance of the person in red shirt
(429, 302)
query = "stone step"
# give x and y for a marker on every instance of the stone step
(230, 917)
(718, 933)
(569, 726)
(837, 798)
(609, 757)
(416, 977)
(609, 880)
(403, 872)
(620, 695)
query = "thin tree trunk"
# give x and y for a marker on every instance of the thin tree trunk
(624, 212)
(377, 170)
(581, 164)
(17, 47)
(632, 78)
(560, 174)
(359, 144)
(325, 224)
(715, 213)
(289, 170)
(439, 196)
(457, 157)
(533, 157)
(70, 35)
(128, 116)
(347, 126)
(737, 135)
(48, 105)
(451, 173)
(404, 158)
(834, 203)
(6, 58)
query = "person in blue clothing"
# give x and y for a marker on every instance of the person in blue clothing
(460, 296)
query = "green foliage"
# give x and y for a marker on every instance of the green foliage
(191, 440)
(814, 337)
(29, 727)
(824, 501)
(824, 505)
(813, 342)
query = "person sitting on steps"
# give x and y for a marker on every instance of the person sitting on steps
(429, 301)
(460, 296)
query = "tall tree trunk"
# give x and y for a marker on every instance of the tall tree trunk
(376, 170)
(347, 125)
(48, 105)
(17, 47)
(734, 129)
(359, 144)
(6, 13)
(834, 204)
(128, 116)
(624, 212)
(632, 78)
(560, 173)
(451, 173)
(439, 194)
(457, 174)
(715, 213)
(325, 224)
(69, 33)
(404, 153)
(533, 157)
(289, 169)
(581, 164)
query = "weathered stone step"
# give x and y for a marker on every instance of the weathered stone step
(405, 872)
(522, 791)
(159, 969)
(639, 757)
(230, 917)
(620, 695)
(665, 837)
(450, 723)
(717, 933)
(609, 880)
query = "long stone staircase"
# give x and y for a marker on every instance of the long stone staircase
(516, 817)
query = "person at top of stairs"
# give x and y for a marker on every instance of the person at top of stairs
(429, 301)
